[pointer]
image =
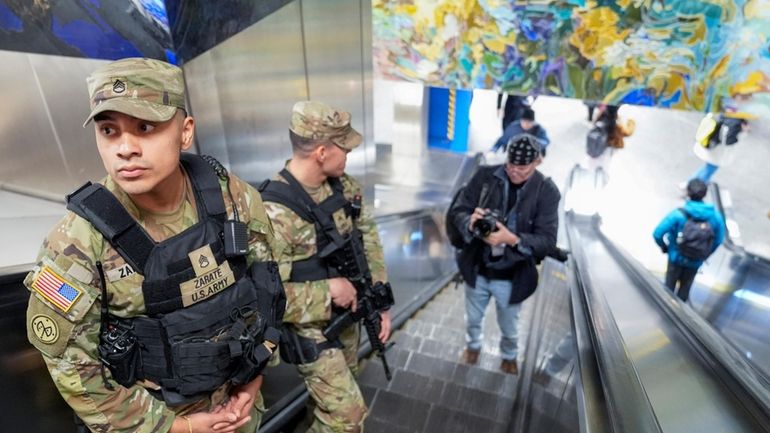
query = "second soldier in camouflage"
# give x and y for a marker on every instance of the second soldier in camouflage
(321, 138)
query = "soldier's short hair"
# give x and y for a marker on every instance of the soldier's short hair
(303, 145)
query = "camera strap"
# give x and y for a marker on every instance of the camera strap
(504, 211)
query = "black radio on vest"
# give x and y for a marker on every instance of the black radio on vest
(236, 235)
(211, 317)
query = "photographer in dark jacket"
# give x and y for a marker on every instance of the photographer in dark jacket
(508, 217)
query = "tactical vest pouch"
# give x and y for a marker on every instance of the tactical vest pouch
(202, 362)
(271, 297)
(296, 349)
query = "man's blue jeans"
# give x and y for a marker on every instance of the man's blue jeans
(476, 301)
(706, 172)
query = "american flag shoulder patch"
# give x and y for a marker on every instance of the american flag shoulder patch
(56, 289)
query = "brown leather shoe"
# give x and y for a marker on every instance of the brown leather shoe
(509, 366)
(471, 356)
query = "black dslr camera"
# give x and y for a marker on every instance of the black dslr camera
(486, 225)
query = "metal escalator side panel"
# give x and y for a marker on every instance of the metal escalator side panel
(628, 406)
(733, 370)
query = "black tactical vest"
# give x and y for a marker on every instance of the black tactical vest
(210, 319)
(328, 238)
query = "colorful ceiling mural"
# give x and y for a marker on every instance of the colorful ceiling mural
(198, 25)
(171, 30)
(684, 54)
(100, 29)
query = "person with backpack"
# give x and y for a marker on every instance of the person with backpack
(504, 222)
(689, 235)
(525, 125)
(607, 135)
(714, 142)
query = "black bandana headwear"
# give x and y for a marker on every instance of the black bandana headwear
(523, 149)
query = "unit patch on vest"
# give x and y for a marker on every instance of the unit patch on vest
(56, 289)
(48, 330)
(45, 328)
(118, 274)
(204, 286)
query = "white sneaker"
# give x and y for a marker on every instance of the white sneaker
(682, 189)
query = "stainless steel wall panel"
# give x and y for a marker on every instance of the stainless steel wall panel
(45, 150)
(258, 75)
(31, 158)
(367, 67)
(411, 102)
(63, 85)
(200, 77)
(335, 67)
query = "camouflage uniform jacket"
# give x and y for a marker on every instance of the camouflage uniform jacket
(68, 339)
(308, 304)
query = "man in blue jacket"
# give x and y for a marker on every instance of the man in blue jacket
(689, 235)
(525, 125)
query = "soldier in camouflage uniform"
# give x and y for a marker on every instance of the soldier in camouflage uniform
(321, 138)
(141, 127)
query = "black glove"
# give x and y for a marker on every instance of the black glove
(664, 248)
(559, 254)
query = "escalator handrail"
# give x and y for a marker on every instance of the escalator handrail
(747, 383)
(588, 385)
(716, 195)
(628, 406)
(470, 165)
(731, 243)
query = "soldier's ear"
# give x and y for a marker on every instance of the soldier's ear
(188, 132)
(320, 153)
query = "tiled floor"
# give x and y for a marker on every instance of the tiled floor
(432, 389)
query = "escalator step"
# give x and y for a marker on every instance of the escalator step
(446, 420)
(399, 411)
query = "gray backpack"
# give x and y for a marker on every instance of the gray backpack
(596, 141)
(696, 238)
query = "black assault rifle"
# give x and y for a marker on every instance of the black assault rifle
(373, 298)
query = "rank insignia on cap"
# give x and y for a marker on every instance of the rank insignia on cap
(119, 86)
(55, 289)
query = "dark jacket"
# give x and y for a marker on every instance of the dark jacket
(515, 129)
(514, 106)
(537, 220)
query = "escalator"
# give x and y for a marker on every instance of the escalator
(732, 291)
(606, 349)
(634, 358)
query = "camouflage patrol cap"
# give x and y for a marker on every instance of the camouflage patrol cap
(147, 89)
(318, 121)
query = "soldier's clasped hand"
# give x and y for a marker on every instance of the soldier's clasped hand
(343, 293)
